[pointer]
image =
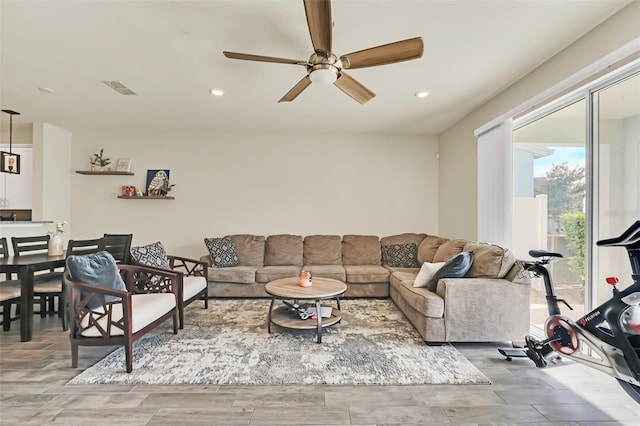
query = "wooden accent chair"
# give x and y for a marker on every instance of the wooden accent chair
(120, 317)
(46, 286)
(10, 290)
(192, 273)
(193, 281)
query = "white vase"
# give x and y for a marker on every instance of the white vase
(55, 245)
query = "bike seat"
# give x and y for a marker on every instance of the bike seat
(543, 253)
(629, 238)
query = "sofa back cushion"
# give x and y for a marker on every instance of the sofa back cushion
(361, 250)
(428, 248)
(283, 250)
(322, 250)
(250, 249)
(449, 249)
(490, 261)
(405, 238)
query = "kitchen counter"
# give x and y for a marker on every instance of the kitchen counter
(11, 223)
(25, 228)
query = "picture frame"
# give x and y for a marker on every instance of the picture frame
(9, 162)
(128, 191)
(155, 182)
(123, 165)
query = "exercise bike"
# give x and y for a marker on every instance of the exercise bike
(611, 331)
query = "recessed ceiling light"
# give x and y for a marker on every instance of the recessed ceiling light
(216, 92)
(422, 94)
(46, 89)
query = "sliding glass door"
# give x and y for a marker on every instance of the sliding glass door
(576, 174)
(549, 162)
(617, 146)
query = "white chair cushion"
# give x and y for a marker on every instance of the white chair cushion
(52, 286)
(191, 286)
(9, 290)
(145, 308)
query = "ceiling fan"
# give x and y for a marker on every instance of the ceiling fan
(324, 66)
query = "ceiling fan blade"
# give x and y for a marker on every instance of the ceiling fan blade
(385, 54)
(320, 24)
(296, 90)
(248, 57)
(354, 89)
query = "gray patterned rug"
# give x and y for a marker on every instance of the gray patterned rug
(229, 344)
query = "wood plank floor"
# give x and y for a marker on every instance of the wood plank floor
(33, 392)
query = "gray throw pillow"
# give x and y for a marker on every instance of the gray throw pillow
(400, 255)
(223, 252)
(99, 269)
(456, 267)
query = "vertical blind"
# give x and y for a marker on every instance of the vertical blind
(495, 184)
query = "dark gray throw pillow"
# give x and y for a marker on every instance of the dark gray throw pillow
(151, 255)
(456, 267)
(99, 269)
(400, 255)
(223, 252)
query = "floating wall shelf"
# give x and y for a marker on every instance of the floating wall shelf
(146, 197)
(105, 172)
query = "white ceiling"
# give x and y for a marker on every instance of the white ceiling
(170, 53)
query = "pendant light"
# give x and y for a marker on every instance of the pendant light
(10, 162)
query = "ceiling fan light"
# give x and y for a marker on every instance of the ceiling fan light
(323, 76)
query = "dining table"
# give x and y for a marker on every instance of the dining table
(26, 265)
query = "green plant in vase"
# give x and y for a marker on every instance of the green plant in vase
(99, 160)
(166, 187)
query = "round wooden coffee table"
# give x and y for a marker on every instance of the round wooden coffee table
(289, 289)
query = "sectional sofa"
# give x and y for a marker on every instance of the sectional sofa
(490, 303)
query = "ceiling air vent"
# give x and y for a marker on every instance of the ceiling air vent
(119, 87)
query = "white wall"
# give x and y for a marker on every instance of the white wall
(458, 150)
(261, 184)
(51, 174)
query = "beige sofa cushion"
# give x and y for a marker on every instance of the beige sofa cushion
(361, 250)
(270, 273)
(335, 272)
(508, 261)
(428, 248)
(322, 250)
(235, 274)
(422, 300)
(448, 249)
(283, 250)
(403, 239)
(489, 260)
(360, 274)
(250, 249)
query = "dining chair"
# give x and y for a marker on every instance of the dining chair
(119, 245)
(9, 290)
(46, 286)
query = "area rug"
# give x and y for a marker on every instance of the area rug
(229, 344)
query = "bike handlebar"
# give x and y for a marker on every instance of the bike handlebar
(629, 238)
